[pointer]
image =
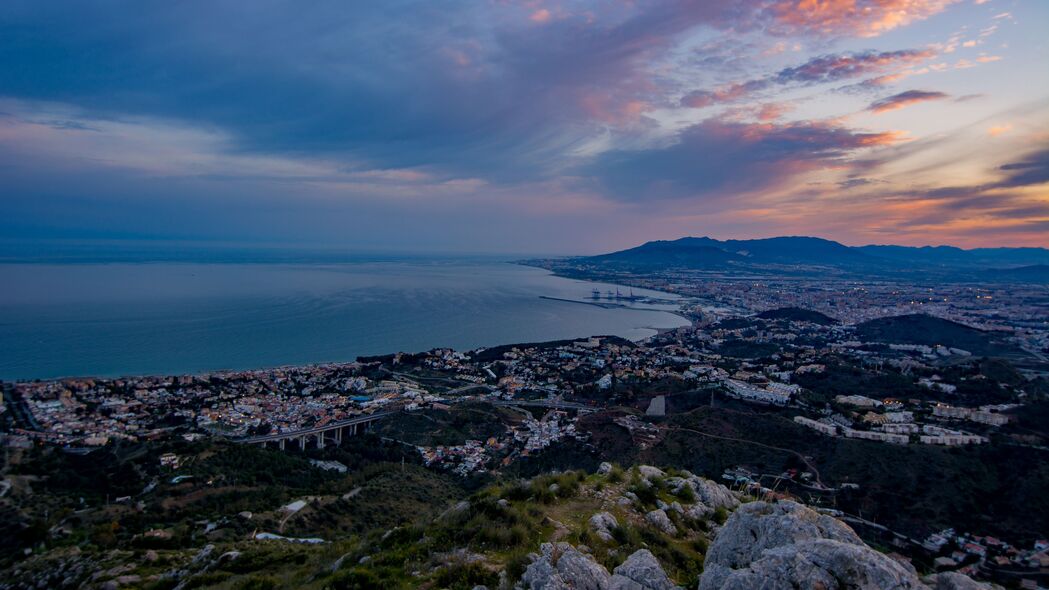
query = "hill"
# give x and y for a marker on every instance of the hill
(684, 253)
(929, 330)
(797, 314)
(786, 253)
(1034, 273)
(710, 253)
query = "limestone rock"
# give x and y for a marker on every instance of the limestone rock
(820, 563)
(561, 567)
(712, 494)
(758, 526)
(661, 521)
(603, 523)
(956, 581)
(641, 571)
(698, 511)
(784, 545)
(604, 468)
(649, 472)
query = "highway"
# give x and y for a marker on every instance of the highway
(315, 430)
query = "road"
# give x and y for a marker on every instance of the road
(543, 404)
(812, 468)
(316, 429)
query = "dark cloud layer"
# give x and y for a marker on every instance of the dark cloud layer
(904, 99)
(819, 70)
(715, 156)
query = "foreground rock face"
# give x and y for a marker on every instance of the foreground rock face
(785, 545)
(641, 571)
(560, 566)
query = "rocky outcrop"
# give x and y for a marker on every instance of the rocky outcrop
(956, 581)
(784, 545)
(711, 494)
(659, 519)
(560, 566)
(603, 523)
(649, 472)
(641, 571)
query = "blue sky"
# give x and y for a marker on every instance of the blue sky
(531, 126)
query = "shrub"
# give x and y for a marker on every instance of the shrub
(686, 494)
(466, 575)
(259, 583)
(355, 579)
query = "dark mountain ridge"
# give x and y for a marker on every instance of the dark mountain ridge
(705, 253)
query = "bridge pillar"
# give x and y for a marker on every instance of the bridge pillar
(280, 443)
(353, 429)
(320, 440)
(338, 436)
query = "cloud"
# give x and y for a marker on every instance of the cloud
(837, 67)
(904, 99)
(715, 157)
(862, 18)
(544, 102)
(540, 16)
(819, 70)
(996, 130)
(1034, 169)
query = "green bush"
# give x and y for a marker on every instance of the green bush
(686, 494)
(355, 579)
(259, 583)
(466, 576)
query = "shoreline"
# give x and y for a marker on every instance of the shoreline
(349, 362)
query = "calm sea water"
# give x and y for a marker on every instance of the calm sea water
(172, 318)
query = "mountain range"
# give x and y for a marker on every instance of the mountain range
(1021, 264)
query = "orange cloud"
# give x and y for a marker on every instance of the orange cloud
(864, 18)
(996, 130)
(772, 111)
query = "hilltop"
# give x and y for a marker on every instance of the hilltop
(641, 528)
(927, 330)
(797, 314)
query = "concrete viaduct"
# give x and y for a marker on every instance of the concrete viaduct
(333, 431)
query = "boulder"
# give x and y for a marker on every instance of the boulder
(785, 545)
(661, 521)
(758, 526)
(604, 468)
(603, 523)
(698, 511)
(649, 472)
(712, 494)
(562, 567)
(820, 563)
(559, 566)
(641, 571)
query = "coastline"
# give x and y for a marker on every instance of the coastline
(198, 360)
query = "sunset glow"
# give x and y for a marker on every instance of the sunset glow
(526, 126)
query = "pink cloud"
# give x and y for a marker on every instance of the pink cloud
(540, 16)
(862, 18)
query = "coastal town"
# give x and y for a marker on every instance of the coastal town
(937, 379)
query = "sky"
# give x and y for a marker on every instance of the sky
(545, 126)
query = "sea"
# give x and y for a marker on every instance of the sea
(168, 317)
